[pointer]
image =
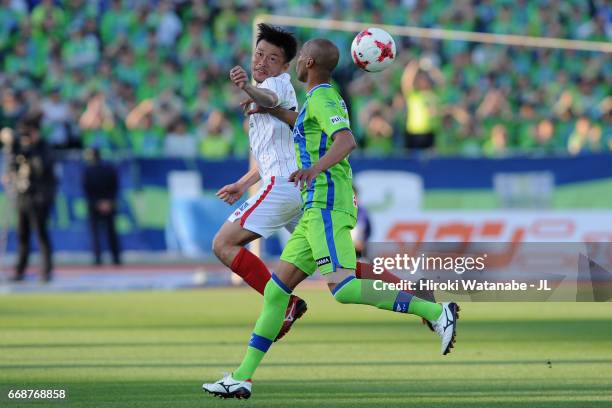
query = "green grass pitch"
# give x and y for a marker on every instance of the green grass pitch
(154, 349)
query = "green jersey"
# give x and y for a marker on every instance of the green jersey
(322, 116)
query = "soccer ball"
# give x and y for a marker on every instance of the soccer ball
(373, 50)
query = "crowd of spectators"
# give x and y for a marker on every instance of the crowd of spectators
(150, 78)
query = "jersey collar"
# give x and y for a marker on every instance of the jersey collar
(317, 87)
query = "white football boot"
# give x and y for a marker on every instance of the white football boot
(446, 326)
(227, 387)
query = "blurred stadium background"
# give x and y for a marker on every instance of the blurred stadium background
(522, 151)
(146, 83)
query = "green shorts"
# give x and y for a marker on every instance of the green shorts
(322, 239)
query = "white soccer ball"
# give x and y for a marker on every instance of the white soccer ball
(373, 50)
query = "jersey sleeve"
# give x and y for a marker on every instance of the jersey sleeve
(330, 112)
(280, 88)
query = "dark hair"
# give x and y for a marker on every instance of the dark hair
(279, 37)
(30, 121)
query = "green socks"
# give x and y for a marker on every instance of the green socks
(269, 323)
(350, 290)
(363, 292)
(427, 310)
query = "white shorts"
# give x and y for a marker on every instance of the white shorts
(277, 205)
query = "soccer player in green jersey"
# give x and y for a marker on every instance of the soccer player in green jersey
(322, 237)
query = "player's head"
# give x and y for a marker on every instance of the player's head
(274, 50)
(318, 56)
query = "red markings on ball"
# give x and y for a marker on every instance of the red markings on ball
(361, 35)
(361, 64)
(385, 50)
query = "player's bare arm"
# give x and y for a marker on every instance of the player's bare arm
(287, 116)
(344, 143)
(232, 192)
(261, 96)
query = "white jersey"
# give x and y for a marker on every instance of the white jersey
(270, 138)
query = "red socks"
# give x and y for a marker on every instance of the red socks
(252, 269)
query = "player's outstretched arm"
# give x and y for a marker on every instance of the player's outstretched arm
(344, 143)
(409, 75)
(285, 115)
(232, 192)
(261, 96)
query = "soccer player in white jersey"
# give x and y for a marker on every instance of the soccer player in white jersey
(278, 203)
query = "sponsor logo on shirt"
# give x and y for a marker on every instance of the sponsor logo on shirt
(337, 119)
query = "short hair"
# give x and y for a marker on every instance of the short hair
(279, 37)
(30, 121)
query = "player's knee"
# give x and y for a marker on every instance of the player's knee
(221, 246)
(215, 245)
